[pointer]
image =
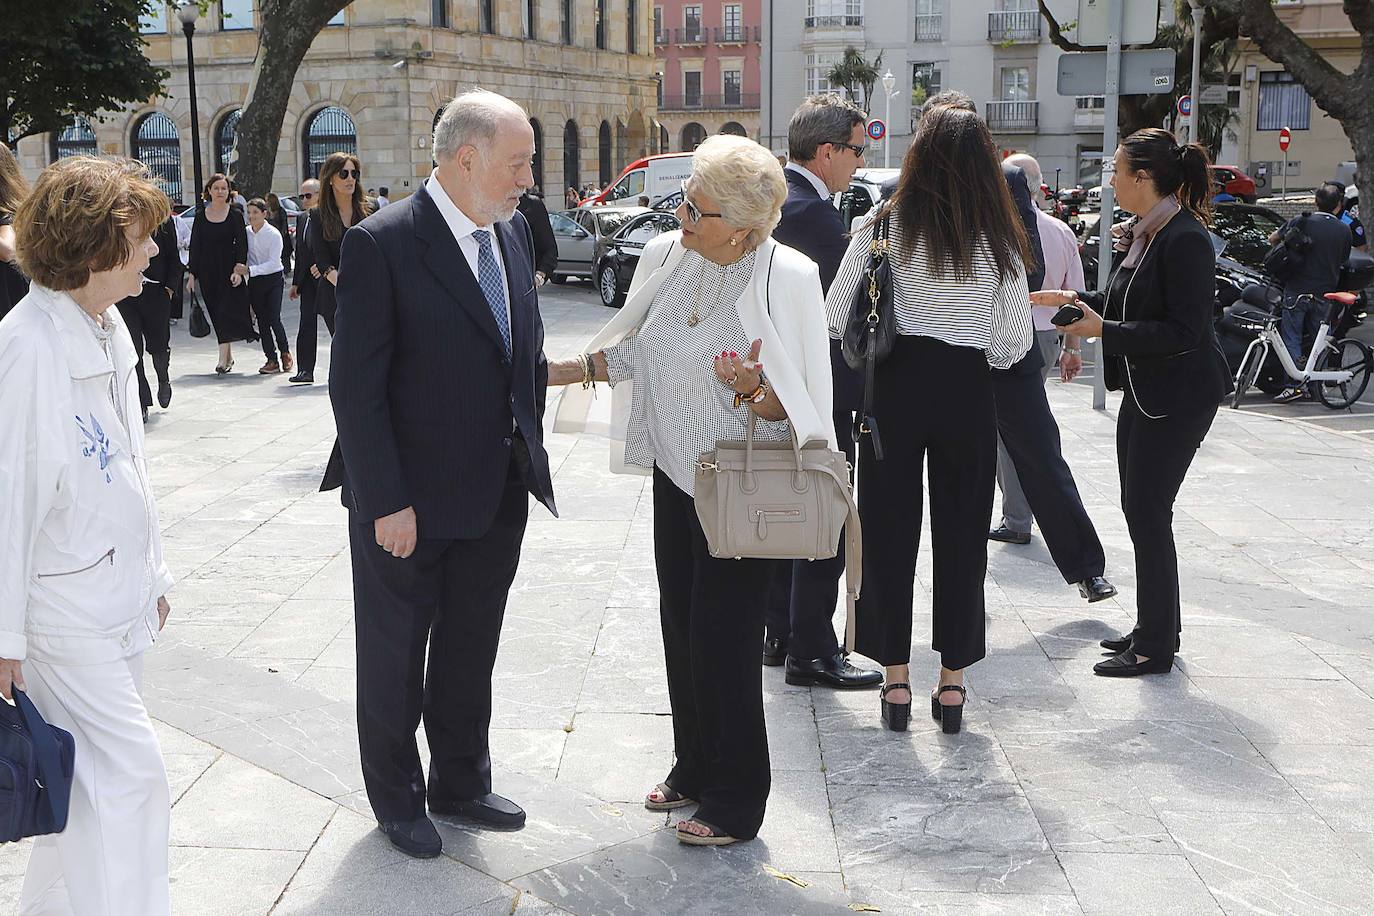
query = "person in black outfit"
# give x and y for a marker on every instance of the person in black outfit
(13, 189)
(218, 268)
(1318, 273)
(545, 245)
(341, 206)
(277, 217)
(1029, 432)
(437, 381)
(148, 316)
(1162, 353)
(825, 141)
(305, 280)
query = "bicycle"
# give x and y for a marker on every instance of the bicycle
(1337, 371)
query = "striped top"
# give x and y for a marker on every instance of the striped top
(978, 312)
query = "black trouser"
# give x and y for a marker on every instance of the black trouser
(712, 619)
(264, 294)
(148, 316)
(1153, 458)
(957, 432)
(1031, 438)
(307, 338)
(452, 592)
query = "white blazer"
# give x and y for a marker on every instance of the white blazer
(783, 306)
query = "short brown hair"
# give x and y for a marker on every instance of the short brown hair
(210, 183)
(76, 221)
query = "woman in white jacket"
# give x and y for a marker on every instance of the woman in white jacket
(708, 307)
(82, 580)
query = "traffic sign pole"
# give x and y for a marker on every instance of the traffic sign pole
(1285, 138)
(1110, 113)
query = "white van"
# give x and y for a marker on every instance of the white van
(652, 177)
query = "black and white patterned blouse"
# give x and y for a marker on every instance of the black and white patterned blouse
(978, 311)
(680, 410)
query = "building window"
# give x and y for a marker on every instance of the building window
(329, 130)
(531, 18)
(1233, 91)
(438, 14)
(659, 79)
(835, 12)
(732, 16)
(734, 127)
(925, 82)
(235, 15)
(692, 32)
(818, 71)
(660, 38)
(488, 17)
(568, 25)
(537, 163)
(154, 21)
(733, 85)
(1015, 84)
(76, 139)
(632, 26)
(930, 20)
(601, 24)
(1283, 102)
(225, 135)
(691, 88)
(663, 140)
(572, 173)
(693, 135)
(158, 146)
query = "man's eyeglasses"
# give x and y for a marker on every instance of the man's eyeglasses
(346, 174)
(306, 195)
(694, 213)
(856, 150)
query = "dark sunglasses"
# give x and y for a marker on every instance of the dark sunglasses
(693, 211)
(856, 150)
(346, 174)
(306, 195)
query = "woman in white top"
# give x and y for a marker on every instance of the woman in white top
(708, 308)
(962, 308)
(265, 272)
(82, 580)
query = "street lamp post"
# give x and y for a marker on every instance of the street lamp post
(1196, 87)
(889, 81)
(187, 13)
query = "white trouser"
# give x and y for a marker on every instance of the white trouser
(112, 858)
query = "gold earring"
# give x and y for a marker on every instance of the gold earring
(734, 242)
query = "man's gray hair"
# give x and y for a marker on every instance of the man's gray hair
(824, 118)
(472, 119)
(1027, 163)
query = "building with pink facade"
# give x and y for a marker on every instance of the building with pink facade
(707, 53)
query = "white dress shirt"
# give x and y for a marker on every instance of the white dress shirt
(462, 228)
(264, 251)
(810, 176)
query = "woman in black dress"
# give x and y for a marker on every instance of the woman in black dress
(342, 206)
(219, 266)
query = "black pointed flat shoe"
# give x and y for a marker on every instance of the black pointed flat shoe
(416, 838)
(1127, 665)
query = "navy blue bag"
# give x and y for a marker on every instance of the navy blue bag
(36, 766)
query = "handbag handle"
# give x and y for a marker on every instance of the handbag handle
(749, 445)
(46, 753)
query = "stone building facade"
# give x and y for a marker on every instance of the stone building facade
(377, 77)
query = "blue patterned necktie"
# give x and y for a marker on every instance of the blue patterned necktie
(493, 284)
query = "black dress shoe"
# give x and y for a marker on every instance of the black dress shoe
(774, 651)
(490, 809)
(1096, 589)
(1007, 536)
(1122, 643)
(416, 838)
(1126, 665)
(833, 672)
(302, 378)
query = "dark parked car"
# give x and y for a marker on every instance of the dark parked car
(617, 266)
(583, 236)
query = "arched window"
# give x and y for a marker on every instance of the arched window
(572, 173)
(604, 154)
(622, 146)
(158, 146)
(734, 127)
(329, 130)
(537, 164)
(76, 139)
(224, 139)
(663, 141)
(692, 136)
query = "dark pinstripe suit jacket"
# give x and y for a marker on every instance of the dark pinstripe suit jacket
(423, 393)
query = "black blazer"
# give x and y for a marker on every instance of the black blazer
(1157, 333)
(545, 245)
(165, 266)
(811, 224)
(301, 277)
(423, 393)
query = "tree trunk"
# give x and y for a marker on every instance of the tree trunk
(288, 29)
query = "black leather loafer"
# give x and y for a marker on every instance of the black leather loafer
(1007, 536)
(1096, 589)
(1126, 665)
(416, 838)
(774, 651)
(302, 378)
(490, 809)
(1122, 643)
(833, 672)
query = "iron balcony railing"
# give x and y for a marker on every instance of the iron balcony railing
(1014, 25)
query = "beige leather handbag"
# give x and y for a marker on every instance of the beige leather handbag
(777, 501)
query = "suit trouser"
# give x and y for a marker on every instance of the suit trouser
(307, 338)
(451, 593)
(148, 318)
(712, 623)
(112, 858)
(958, 435)
(264, 294)
(1031, 438)
(1153, 457)
(1016, 512)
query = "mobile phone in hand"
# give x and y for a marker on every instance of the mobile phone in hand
(1067, 315)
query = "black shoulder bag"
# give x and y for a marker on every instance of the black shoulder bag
(1284, 259)
(872, 329)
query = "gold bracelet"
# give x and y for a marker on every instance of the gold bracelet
(754, 397)
(588, 371)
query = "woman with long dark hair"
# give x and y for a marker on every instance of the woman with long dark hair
(342, 206)
(277, 217)
(218, 266)
(1162, 353)
(13, 189)
(958, 252)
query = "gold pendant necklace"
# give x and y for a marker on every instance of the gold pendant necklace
(694, 319)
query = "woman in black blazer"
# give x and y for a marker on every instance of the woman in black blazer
(1155, 321)
(342, 206)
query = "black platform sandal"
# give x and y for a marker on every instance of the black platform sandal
(951, 718)
(895, 715)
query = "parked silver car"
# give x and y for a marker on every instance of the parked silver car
(583, 236)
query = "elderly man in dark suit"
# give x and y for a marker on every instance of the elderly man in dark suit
(826, 143)
(437, 380)
(304, 280)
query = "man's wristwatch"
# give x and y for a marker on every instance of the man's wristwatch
(754, 397)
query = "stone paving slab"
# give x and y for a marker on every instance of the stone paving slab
(1237, 784)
